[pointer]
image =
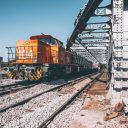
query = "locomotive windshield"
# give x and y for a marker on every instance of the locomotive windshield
(48, 41)
(45, 40)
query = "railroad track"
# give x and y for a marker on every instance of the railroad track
(72, 82)
(10, 88)
(45, 123)
(3, 75)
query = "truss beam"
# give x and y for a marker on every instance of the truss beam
(87, 13)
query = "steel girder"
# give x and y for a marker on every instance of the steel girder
(87, 13)
(100, 54)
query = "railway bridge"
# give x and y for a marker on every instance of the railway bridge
(101, 35)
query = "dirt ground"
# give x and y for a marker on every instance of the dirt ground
(96, 107)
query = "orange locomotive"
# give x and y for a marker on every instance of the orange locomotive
(45, 56)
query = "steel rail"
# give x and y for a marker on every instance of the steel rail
(49, 90)
(8, 85)
(68, 102)
(17, 86)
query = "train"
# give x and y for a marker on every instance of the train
(45, 56)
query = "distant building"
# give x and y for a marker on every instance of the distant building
(1, 60)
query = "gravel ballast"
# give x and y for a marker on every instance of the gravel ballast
(23, 94)
(33, 119)
(64, 119)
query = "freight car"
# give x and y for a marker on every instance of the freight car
(45, 56)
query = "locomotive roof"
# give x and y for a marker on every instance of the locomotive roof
(40, 36)
(44, 36)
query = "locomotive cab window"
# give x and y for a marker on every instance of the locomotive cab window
(53, 42)
(48, 41)
(45, 40)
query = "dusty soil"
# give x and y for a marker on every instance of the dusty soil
(95, 108)
(74, 88)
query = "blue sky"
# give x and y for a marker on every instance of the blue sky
(19, 19)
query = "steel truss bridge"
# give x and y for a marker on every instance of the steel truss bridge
(104, 40)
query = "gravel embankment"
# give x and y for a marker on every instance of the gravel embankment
(64, 119)
(34, 118)
(34, 112)
(23, 94)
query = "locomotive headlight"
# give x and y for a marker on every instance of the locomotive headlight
(6, 69)
(29, 69)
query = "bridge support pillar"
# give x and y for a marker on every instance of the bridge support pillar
(119, 81)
